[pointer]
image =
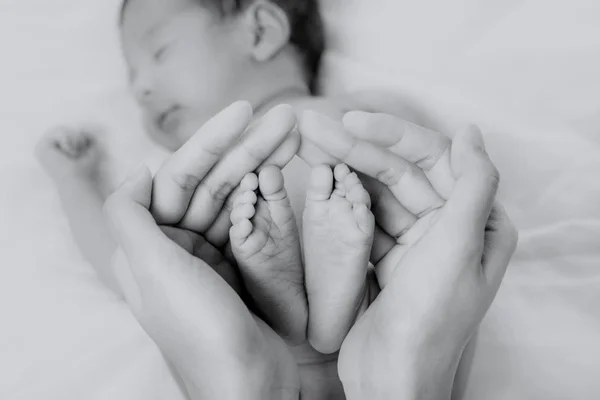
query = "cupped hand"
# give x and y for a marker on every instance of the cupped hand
(170, 278)
(181, 288)
(194, 188)
(440, 251)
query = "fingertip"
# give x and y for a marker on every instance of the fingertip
(282, 116)
(474, 137)
(136, 187)
(356, 121)
(241, 108)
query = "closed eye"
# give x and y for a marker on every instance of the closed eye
(159, 55)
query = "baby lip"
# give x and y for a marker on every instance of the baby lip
(162, 118)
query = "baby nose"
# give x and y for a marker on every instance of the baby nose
(143, 88)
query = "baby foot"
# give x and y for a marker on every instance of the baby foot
(338, 233)
(266, 245)
(68, 154)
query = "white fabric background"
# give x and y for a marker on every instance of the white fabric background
(525, 70)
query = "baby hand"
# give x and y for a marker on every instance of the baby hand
(67, 153)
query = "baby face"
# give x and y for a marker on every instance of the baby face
(184, 65)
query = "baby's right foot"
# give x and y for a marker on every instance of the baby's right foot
(266, 245)
(338, 234)
(68, 154)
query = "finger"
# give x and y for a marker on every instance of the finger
(378, 101)
(253, 149)
(382, 244)
(427, 149)
(407, 182)
(477, 181)
(285, 153)
(176, 290)
(385, 268)
(501, 238)
(177, 180)
(390, 215)
(218, 233)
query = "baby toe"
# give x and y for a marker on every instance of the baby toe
(242, 211)
(247, 197)
(364, 219)
(357, 194)
(250, 197)
(240, 230)
(320, 184)
(270, 182)
(250, 182)
(340, 172)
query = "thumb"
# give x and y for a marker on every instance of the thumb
(133, 227)
(477, 181)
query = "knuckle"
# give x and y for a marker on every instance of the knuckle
(111, 204)
(441, 144)
(186, 181)
(256, 154)
(490, 176)
(493, 177)
(220, 191)
(392, 175)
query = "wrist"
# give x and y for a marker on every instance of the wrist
(425, 374)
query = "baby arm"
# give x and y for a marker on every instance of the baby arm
(73, 160)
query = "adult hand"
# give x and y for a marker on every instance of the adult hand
(336, 106)
(193, 189)
(172, 277)
(438, 265)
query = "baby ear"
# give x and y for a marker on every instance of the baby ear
(270, 29)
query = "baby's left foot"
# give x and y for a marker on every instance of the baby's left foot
(266, 245)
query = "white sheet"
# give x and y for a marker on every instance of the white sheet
(524, 70)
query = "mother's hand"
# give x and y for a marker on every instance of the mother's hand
(193, 189)
(439, 254)
(172, 277)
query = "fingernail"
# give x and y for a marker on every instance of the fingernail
(240, 107)
(283, 115)
(282, 107)
(318, 118)
(355, 119)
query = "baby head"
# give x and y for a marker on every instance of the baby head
(188, 59)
